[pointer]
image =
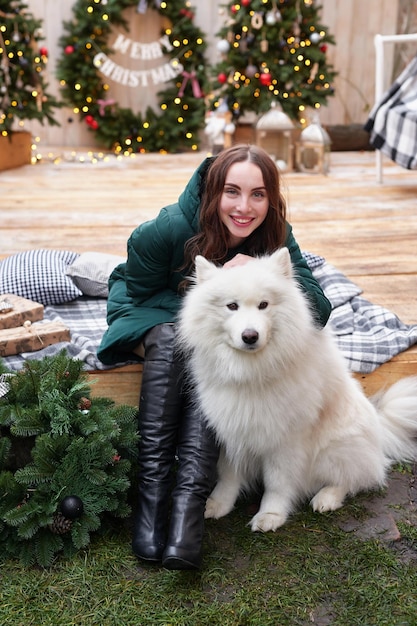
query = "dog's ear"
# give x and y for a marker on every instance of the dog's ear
(282, 260)
(203, 269)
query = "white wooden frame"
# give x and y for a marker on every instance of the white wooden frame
(379, 42)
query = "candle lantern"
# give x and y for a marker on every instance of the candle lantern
(274, 133)
(313, 149)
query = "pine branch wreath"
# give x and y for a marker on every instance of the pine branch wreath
(65, 460)
(172, 128)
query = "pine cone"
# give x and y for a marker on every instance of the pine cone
(60, 525)
(85, 404)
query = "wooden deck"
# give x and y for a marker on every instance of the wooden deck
(367, 230)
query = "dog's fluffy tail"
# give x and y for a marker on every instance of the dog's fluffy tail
(397, 407)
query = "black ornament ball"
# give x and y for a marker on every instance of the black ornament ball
(72, 507)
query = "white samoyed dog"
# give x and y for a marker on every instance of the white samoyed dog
(278, 393)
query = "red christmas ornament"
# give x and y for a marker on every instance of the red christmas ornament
(222, 78)
(187, 13)
(91, 122)
(234, 8)
(265, 79)
(43, 51)
(246, 3)
(323, 48)
(69, 49)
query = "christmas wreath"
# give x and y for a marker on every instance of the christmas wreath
(181, 112)
(65, 460)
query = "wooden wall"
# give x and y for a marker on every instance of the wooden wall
(352, 22)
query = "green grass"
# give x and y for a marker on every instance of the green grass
(308, 572)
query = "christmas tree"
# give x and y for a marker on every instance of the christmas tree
(65, 459)
(273, 51)
(23, 90)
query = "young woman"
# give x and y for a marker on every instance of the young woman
(231, 210)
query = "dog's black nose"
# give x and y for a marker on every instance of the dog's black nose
(250, 336)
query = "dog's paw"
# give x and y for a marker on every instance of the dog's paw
(266, 522)
(328, 499)
(216, 509)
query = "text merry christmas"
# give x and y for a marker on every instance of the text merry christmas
(136, 50)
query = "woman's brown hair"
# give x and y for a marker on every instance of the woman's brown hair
(212, 239)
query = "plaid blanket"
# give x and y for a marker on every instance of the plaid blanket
(392, 123)
(367, 334)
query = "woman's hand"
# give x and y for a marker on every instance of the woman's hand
(239, 259)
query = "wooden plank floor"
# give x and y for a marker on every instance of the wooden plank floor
(367, 230)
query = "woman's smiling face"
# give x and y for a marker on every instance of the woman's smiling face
(244, 202)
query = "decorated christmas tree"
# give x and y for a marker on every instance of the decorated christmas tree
(65, 459)
(90, 76)
(23, 90)
(272, 51)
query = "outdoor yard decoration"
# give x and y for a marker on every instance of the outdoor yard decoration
(65, 460)
(99, 29)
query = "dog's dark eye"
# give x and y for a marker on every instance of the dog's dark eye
(263, 305)
(233, 306)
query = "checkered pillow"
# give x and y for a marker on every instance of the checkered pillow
(39, 275)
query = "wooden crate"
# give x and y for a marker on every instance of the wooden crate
(15, 149)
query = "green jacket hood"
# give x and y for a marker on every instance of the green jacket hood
(190, 198)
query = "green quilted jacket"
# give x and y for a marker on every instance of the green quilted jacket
(143, 292)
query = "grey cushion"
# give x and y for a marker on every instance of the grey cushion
(91, 270)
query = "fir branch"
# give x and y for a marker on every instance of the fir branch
(70, 452)
(47, 545)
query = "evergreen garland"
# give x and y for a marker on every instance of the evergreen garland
(176, 125)
(23, 89)
(65, 459)
(273, 51)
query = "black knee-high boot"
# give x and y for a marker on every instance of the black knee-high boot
(196, 474)
(159, 417)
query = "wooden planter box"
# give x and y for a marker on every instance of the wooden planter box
(15, 149)
(348, 138)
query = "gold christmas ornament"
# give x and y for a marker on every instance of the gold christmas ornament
(257, 21)
(264, 45)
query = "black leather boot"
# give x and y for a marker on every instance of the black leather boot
(196, 474)
(159, 417)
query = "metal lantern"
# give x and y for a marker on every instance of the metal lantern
(313, 149)
(274, 133)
